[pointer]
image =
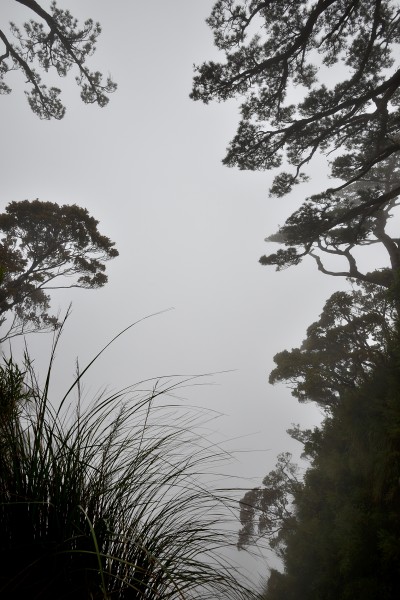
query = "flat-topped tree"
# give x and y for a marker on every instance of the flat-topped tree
(44, 246)
(315, 77)
(56, 42)
(337, 223)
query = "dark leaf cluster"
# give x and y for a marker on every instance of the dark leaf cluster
(44, 246)
(272, 46)
(342, 348)
(338, 534)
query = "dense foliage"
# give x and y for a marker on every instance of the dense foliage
(343, 542)
(44, 246)
(337, 529)
(56, 42)
(342, 348)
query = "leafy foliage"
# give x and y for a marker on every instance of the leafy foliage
(13, 393)
(342, 348)
(323, 78)
(43, 246)
(294, 107)
(55, 42)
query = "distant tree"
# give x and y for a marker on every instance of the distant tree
(315, 77)
(268, 511)
(55, 41)
(342, 348)
(44, 246)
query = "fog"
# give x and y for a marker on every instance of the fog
(189, 231)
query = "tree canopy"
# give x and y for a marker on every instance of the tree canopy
(314, 77)
(55, 41)
(44, 246)
(342, 348)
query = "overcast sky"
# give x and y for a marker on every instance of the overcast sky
(189, 230)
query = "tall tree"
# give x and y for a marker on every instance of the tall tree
(343, 542)
(56, 42)
(337, 529)
(315, 77)
(45, 246)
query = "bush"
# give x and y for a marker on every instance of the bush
(106, 501)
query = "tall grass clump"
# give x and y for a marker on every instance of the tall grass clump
(106, 501)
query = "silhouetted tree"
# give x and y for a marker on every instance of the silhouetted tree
(44, 246)
(343, 542)
(342, 348)
(338, 528)
(340, 57)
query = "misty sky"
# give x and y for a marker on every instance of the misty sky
(189, 231)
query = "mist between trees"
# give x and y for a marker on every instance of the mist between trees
(314, 78)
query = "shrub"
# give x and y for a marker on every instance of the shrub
(106, 501)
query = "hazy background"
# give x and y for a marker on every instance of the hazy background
(189, 231)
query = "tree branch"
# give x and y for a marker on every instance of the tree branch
(26, 68)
